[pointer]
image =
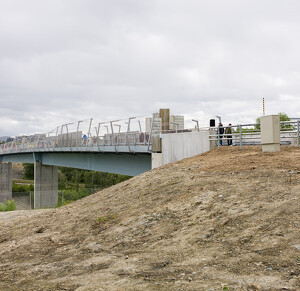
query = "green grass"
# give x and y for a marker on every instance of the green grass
(106, 218)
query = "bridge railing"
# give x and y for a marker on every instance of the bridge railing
(249, 134)
(127, 135)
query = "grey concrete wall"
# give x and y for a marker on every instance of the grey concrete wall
(178, 146)
(5, 181)
(45, 186)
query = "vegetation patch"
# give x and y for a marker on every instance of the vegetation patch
(8, 205)
(106, 218)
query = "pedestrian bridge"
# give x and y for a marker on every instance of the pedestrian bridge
(107, 148)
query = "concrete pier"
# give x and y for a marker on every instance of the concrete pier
(5, 181)
(45, 186)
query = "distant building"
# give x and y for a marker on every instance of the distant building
(164, 122)
(176, 122)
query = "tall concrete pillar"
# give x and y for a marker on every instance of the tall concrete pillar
(5, 181)
(45, 186)
(270, 133)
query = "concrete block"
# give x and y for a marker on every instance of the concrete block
(5, 181)
(45, 186)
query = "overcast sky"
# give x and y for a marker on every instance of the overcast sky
(67, 60)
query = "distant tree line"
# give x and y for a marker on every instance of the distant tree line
(70, 178)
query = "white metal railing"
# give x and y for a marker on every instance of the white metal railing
(129, 135)
(126, 135)
(243, 134)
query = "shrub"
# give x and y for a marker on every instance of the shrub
(8, 205)
(22, 187)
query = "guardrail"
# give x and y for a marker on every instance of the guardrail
(74, 137)
(109, 137)
(249, 134)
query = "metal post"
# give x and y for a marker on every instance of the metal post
(149, 141)
(240, 129)
(197, 123)
(77, 134)
(118, 136)
(55, 138)
(127, 137)
(48, 140)
(128, 130)
(113, 136)
(107, 132)
(140, 126)
(98, 135)
(61, 136)
(97, 132)
(89, 132)
(68, 136)
(218, 131)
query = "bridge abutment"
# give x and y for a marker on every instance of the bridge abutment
(45, 185)
(5, 181)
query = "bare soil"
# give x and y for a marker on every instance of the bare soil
(224, 220)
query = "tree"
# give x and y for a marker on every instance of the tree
(282, 116)
(28, 171)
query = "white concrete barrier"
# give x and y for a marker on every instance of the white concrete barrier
(178, 146)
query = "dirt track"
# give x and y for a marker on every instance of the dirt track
(227, 218)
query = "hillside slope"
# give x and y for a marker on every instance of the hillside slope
(227, 218)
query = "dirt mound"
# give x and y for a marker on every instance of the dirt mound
(223, 220)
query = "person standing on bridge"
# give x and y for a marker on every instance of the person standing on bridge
(220, 132)
(228, 133)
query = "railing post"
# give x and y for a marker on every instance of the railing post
(113, 135)
(37, 142)
(55, 138)
(68, 138)
(240, 130)
(61, 137)
(77, 134)
(150, 134)
(128, 130)
(97, 131)
(89, 132)
(127, 137)
(48, 141)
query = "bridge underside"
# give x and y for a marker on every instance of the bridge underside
(118, 163)
(45, 170)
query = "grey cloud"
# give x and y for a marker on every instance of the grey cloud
(62, 61)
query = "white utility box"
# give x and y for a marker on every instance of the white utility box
(270, 133)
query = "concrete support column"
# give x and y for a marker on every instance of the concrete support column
(157, 160)
(270, 133)
(5, 181)
(45, 186)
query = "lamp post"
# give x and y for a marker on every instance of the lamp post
(197, 123)
(176, 124)
(77, 133)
